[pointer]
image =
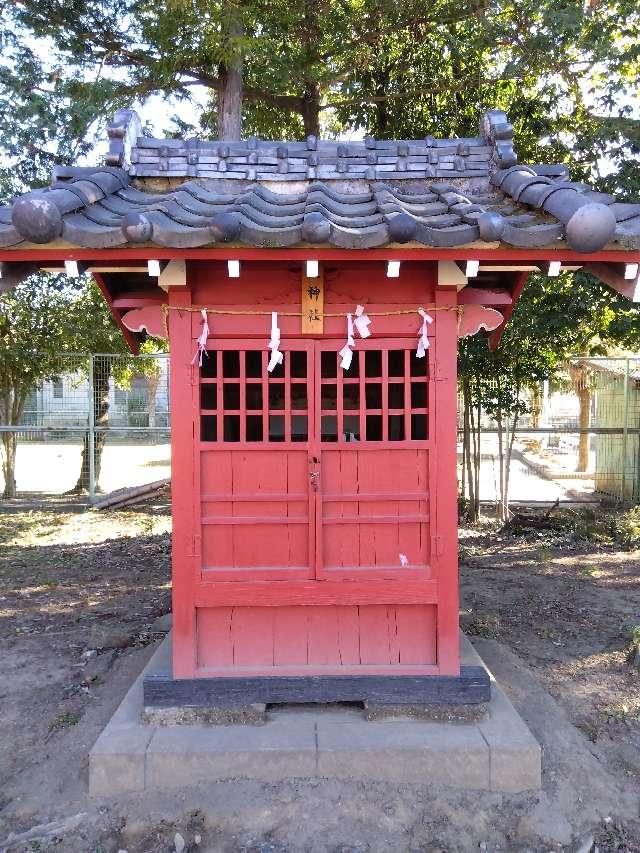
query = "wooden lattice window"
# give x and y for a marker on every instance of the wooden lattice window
(241, 401)
(382, 397)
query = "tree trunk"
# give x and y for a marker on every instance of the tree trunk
(502, 515)
(100, 401)
(230, 92)
(153, 381)
(537, 401)
(514, 426)
(580, 377)
(469, 455)
(12, 402)
(311, 108)
(382, 107)
(584, 399)
(230, 105)
(9, 447)
(311, 38)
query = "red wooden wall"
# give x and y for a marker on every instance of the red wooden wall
(314, 509)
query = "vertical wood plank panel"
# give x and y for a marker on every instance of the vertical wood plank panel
(252, 632)
(322, 625)
(374, 634)
(217, 546)
(394, 638)
(290, 641)
(348, 635)
(416, 633)
(215, 646)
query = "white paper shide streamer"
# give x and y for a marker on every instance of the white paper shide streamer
(423, 340)
(346, 353)
(276, 356)
(361, 322)
(202, 340)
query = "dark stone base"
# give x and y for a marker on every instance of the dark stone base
(471, 687)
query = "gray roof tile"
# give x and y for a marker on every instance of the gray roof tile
(359, 194)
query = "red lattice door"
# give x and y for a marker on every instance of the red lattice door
(318, 479)
(256, 432)
(372, 507)
(312, 471)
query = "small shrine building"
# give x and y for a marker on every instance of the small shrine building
(313, 294)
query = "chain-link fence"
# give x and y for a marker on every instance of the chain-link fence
(95, 424)
(578, 439)
(101, 422)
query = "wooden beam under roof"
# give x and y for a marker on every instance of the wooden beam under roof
(610, 275)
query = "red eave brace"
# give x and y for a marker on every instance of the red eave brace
(132, 342)
(518, 287)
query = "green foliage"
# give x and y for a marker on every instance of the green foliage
(399, 68)
(553, 319)
(64, 720)
(37, 324)
(43, 318)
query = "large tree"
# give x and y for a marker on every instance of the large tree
(395, 67)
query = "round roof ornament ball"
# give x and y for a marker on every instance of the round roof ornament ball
(225, 227)
(36, 218)
(316, 228)
(591, 227)
(136, 227)
(491, 226)
(402, 228)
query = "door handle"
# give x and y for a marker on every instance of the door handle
(314, 477)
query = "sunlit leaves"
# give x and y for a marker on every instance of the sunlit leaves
(573, 314)
(392, 67)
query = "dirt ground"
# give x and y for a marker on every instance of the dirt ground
(549, 609)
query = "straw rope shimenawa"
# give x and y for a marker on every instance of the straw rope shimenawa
(244, 313)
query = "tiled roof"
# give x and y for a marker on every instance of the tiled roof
(350, 195)
(258, 160)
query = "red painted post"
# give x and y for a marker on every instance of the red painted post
(446, 490)
(183, 446)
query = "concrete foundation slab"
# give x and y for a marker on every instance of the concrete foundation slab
(496, 752)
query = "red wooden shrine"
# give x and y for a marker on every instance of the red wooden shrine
(315, 506)
(315, 511)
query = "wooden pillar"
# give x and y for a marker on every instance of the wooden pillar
(445, 502)
(184, 435)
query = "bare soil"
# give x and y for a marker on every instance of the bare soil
(80, 593)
